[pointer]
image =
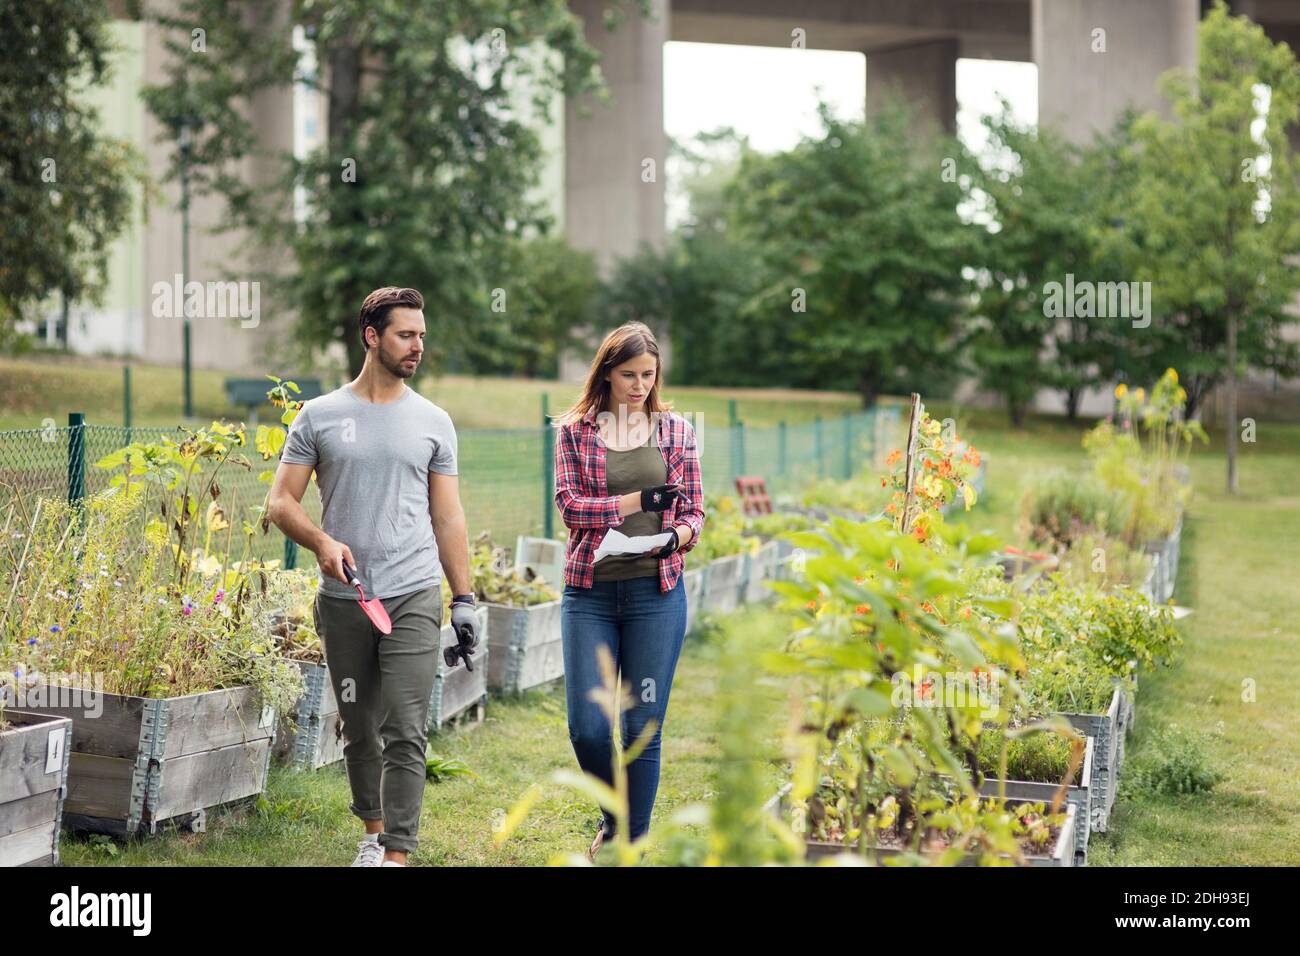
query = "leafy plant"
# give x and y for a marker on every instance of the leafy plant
(1059, 508)
(1096, 561)
(1043, 758)
(438, 768)
(1148, 472)
(725, 534)
(495, 579)
(942, 469)
(90, 594)
(1171, 761)
(293, 624)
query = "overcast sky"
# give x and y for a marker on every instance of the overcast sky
(770, 93)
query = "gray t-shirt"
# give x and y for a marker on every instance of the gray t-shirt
(372, 464)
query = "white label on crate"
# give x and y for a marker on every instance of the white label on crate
(268, 715)
(54, 750)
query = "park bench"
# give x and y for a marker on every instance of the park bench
(249, 393)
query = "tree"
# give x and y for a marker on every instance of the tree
(66, 190)
(863, 252)
(1041, 199)
(1216, 212)
(548, 293)
(430, 148)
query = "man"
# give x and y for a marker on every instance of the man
(385, 461)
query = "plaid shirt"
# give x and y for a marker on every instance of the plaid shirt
(589, 510)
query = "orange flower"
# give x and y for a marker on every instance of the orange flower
(811, 605)
(862, 609)
(927, 606)
(965, 613)
(894, 457)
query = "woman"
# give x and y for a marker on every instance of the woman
(624, 460)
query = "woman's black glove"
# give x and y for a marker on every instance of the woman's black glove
(673, 545)
(659, 498)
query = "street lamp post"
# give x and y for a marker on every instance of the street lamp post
(186, 146)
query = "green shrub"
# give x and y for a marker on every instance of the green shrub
(1172, 761)
(1060, 508)
(724, 531)
(1039, 757)
(1095, 560)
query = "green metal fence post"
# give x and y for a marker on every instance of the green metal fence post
(817, 446)
(126, 401)
(848, 445)
(548, 469)
(76, 456)
(780, 444)
(290, 554)
(738, 450)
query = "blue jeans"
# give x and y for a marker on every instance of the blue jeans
(643, 628)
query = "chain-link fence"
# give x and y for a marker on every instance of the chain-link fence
(506, 475)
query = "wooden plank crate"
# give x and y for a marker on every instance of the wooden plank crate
(526, 646)
(724, 584)
(145, 760)
(1078, 795)
(761, 567)
(33, 783)
(314, 738)
(1061, 854)
(1105, 731)
(695, 581)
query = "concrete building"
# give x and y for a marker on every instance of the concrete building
(605, 178)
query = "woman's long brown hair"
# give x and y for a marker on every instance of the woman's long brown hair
(625, 342)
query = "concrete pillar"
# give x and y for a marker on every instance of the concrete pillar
(1082, 88)
(214, 255)
(614, 151)
(610, 207)
(924, 74)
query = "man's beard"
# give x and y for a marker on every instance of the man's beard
(396, 367)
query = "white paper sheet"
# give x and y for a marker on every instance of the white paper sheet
(616, 542)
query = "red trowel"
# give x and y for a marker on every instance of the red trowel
(373, 608)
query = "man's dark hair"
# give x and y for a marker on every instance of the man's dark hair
(374, 311)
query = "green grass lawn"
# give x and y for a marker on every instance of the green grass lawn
(1238, 574)
(35, 388)
(305, 820)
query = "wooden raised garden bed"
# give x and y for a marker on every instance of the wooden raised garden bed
(695, 581)
(1105, 731)
(525, 646)
(1159, 585)
(315, 737)
(1062, 852)
(725, 583)
(33, 776)
(148, 760)
(1078, 795)
(761, 566)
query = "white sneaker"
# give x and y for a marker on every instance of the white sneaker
(370, 852)
(392, 863)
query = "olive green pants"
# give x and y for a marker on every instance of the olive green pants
(383, 683)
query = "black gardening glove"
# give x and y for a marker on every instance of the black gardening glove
(464, 624)
(673, 545)
(659, 498)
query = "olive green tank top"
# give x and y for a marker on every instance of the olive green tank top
(626, 472)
